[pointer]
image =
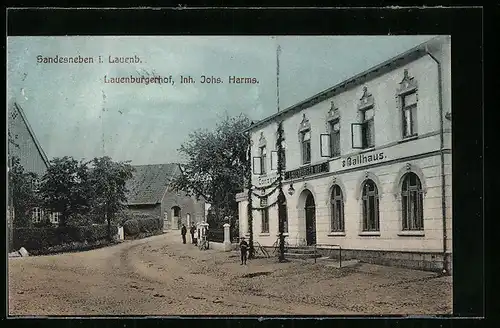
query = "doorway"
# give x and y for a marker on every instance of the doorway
(310, 211)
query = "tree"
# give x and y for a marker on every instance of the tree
(22, 193)
(65, 188)
(108, 180)
(216, 165)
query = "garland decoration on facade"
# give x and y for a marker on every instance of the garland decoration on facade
(266, 195)
(274, 183)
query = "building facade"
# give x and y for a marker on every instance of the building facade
(24, 145)
(367, 165)
(149, 192)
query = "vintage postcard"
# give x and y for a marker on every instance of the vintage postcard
(229, 175)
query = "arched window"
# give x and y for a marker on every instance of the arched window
(337, 201)
(412, 198)
(370, 206)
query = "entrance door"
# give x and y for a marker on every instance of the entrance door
(310, 220)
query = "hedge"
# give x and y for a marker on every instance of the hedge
(135, 226)
(42, 238)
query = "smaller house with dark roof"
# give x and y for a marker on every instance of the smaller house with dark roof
(149, 192)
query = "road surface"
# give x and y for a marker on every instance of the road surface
(160, 276)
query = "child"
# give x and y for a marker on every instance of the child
(243, 249)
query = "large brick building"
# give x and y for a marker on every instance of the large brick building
(149, 192)
(368, 164)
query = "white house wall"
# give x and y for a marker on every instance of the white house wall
(422, 154)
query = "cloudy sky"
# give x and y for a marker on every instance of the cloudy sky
(147, 123)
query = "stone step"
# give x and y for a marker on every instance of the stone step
(300, 250)
(301, 256)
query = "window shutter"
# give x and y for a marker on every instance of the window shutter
(274, 160)
(257, 170)
(324, 143)
(356, 135)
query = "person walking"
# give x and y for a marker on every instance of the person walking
(243, 249)
(183, 233)
(192, 231)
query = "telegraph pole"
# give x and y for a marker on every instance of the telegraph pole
(279, 145)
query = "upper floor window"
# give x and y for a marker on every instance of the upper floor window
(305, 139)
(335, 138)
(409, 108)
(370, 206)
(263, 158)
(368, 128)
(363, 133)
(412, 206)
(407, 96)
(330, 142)
(306, 147)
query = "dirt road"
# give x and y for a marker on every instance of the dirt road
(161, 276)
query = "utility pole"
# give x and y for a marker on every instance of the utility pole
(102, 120)
(279, 145)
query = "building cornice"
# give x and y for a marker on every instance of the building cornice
(376, 71)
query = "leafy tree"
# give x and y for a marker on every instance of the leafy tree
(216, 165)
(108, 180)
(65, 188)
(22, 195)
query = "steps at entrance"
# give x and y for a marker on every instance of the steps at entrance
(301, 253)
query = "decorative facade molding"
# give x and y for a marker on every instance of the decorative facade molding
(262, 140)
(408, 168)
(336, 182)
(367, 176)
(333, 113)
(408, 84)
(366, 101)
(304, 124)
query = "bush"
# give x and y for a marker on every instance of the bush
(135, 226)
(131, 227)
(78, 220)
(42, 238)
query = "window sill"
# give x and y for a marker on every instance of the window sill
(284, 234)
(305, 164)
(336, 234)
(410, 138)
(366, 150)
(415, 233)
(264, 234)
(335, 157)
(369, 233)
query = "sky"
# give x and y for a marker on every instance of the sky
(75, 111)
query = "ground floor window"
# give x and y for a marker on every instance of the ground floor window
(370, 206)
(37, 214)
(337, 217)
(265, 216)
(412, 202)
(54, 217)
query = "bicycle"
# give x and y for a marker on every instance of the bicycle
(259, 250)
(203, 244)
(276, 246)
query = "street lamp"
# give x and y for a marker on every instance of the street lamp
(291, 191)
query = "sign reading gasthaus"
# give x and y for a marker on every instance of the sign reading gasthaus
(308, 170)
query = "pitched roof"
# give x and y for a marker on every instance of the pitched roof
(397, 61)
(149, 183)
(33, 136)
